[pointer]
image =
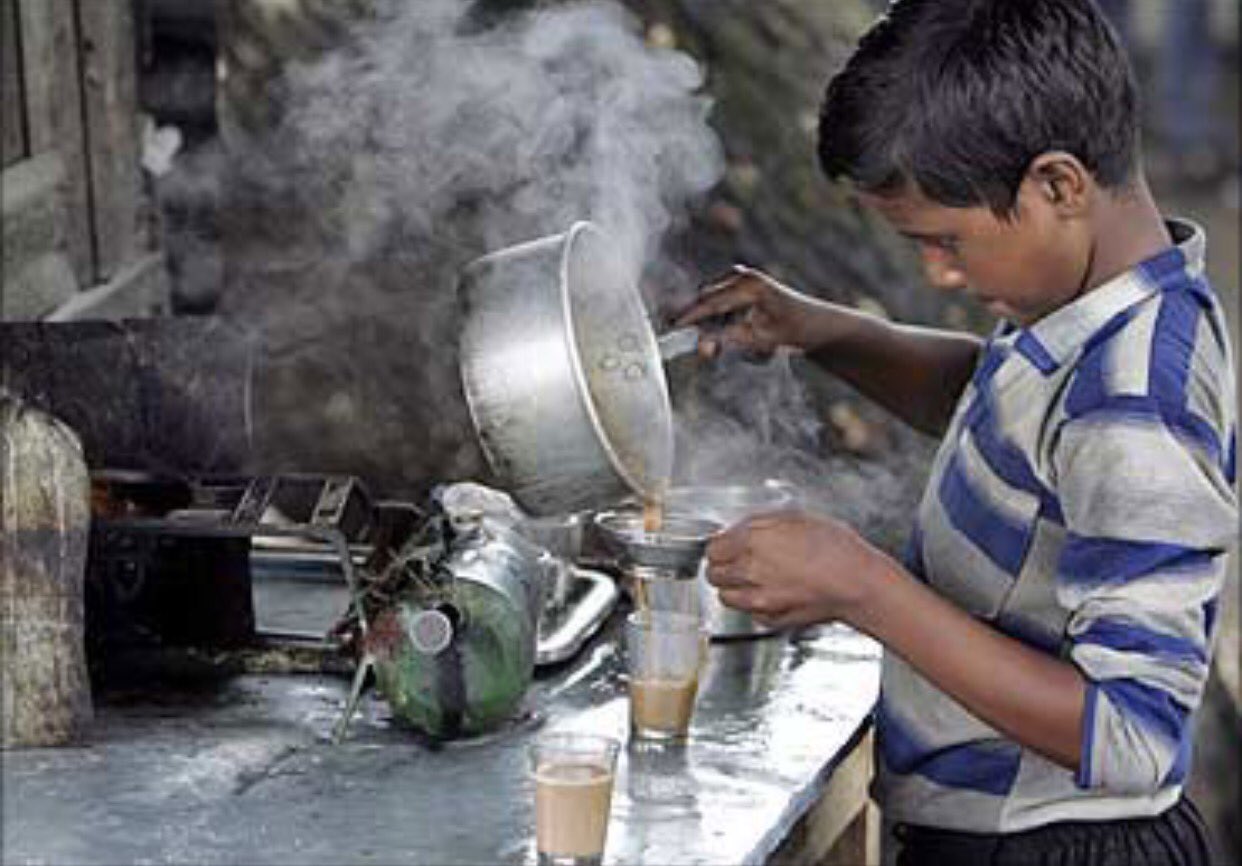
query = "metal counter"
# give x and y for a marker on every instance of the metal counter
(240, 771)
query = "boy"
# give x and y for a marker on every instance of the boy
(1048, 635)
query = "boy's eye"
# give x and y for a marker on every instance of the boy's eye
(945, 244)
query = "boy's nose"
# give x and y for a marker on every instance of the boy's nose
(943, 275)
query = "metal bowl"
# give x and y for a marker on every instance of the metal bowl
(730, 503)
(677, 546)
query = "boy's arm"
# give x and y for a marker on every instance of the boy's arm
(916, 373)
(794, 569)
(1146, 488)
(1032, 697)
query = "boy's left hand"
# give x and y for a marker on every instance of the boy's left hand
(791, 568)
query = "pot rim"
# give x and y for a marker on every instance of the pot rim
(651, 351)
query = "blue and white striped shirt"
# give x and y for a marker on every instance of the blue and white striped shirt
(1083, 502)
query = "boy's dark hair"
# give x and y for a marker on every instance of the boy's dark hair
(960, 95)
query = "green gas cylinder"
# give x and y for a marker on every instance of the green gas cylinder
(454, 657)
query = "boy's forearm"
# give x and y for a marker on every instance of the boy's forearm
(916, 373)
(1034, 698)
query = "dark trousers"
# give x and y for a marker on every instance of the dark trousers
(1176, 837)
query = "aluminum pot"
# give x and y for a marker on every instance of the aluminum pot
(563, 375)
(728, 504)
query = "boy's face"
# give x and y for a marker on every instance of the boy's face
(1021, 269)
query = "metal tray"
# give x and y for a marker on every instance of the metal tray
(591, 597)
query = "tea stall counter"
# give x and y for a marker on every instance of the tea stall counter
(243, 772)
(777, 763)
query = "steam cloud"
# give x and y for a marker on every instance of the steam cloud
(562, 114)
(423, 141)
(426, 139)
(743, 423)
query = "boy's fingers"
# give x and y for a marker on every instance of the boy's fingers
(728, 546)
(738, 599)
(756, 602)
(774, 519)
(720, 298)
(733, 275)
(708, 348)
(720, 302)
(741, 335)
(716, 283)
(727, 576)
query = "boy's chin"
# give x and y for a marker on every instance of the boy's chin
(997, 308)
(1001, 310)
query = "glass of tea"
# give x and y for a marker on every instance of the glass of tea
(573, 776)
(665, 651)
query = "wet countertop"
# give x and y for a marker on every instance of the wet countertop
(240, 770)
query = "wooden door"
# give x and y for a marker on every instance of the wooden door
(69, 152)
(47, 254)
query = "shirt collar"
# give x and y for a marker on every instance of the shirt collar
(1052, 340)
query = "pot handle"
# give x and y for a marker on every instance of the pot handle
(682, 341)
(678, 342)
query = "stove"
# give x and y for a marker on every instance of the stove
(229, 562)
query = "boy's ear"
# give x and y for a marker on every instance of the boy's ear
(1062, 181)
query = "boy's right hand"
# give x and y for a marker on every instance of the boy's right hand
(759, 315)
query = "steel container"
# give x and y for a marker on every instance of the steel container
(563, 375)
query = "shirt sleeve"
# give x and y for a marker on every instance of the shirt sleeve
(1150, 516)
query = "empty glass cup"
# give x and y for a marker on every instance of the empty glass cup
(663, 591)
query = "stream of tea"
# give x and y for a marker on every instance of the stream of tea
(653, 522)
(653, 514)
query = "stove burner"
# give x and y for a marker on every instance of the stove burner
(171, 561)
